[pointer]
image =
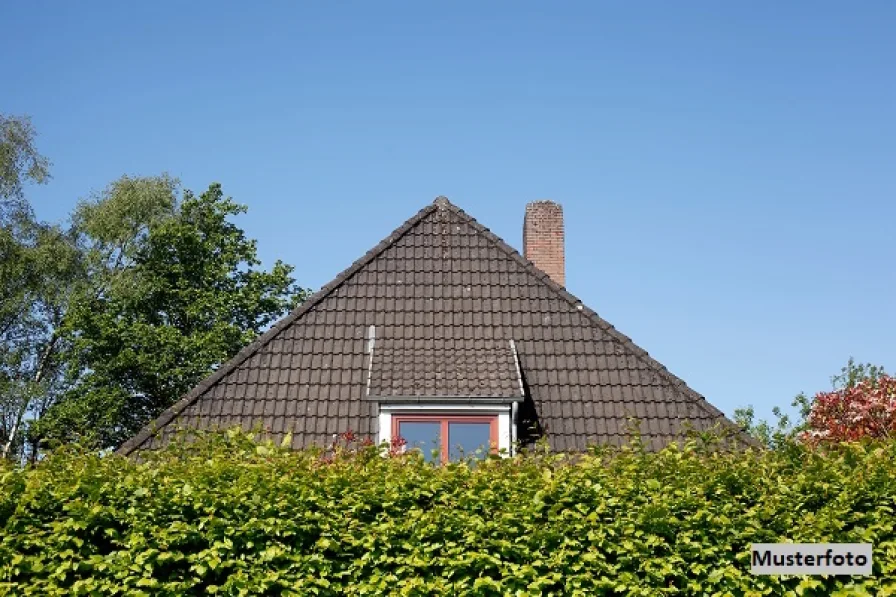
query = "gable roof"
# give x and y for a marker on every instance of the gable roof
(441, 278)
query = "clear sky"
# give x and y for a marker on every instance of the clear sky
(727, 169)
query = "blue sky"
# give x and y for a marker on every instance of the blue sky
(727, 170)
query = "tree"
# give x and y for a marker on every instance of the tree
(20, 162)
(854, 374)
(106, 322)
(38, 265)
(862, 403)
(41, 270)
(178, 291)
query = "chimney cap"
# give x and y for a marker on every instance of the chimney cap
(543, 203)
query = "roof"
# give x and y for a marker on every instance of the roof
(478, 369)
(442, 278)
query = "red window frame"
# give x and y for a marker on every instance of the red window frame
(444, 420)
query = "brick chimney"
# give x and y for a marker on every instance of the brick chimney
(543, 239)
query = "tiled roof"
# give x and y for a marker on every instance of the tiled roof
(442, 279)
(482, 368)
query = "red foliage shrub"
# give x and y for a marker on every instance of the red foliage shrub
(866, 410)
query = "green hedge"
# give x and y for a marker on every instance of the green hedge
(226, 515)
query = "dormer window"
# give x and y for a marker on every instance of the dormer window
(450, 401)
(448, 437)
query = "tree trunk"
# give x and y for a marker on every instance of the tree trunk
(38, 377)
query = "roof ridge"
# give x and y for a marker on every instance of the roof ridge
(698, 399)
(263, 339)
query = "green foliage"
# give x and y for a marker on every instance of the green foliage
(784, 430)
(20, 162)
(226, 515)
(115, 221)
(855, 373)
(771, 435)
(40, 269)
(35, 266)
(176, 291)
(107, 322)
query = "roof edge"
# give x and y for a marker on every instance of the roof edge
(699, 400)
(178, 407)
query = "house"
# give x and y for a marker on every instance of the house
(444, 330)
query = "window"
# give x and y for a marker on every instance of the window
(464, 435)
(466, 425)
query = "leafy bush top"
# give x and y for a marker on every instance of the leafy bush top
(229, 515)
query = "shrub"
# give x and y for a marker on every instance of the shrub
(232, 516)
(862, 404)
(866, 409)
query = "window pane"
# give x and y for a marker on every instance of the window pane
(421, 436)
(468, 439)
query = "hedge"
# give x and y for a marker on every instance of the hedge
(231, 515)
